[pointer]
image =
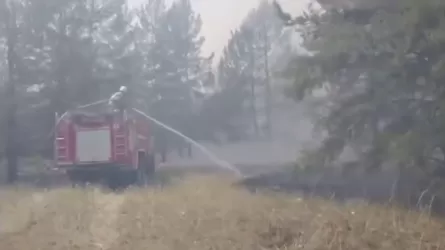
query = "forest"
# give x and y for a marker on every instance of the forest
(56, 55)
(381, 65)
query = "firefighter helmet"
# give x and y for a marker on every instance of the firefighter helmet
(123, 89)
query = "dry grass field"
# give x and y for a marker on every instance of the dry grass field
(204, 212)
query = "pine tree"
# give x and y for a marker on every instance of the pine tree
(383, 65)
(149, 17)
(244, 66)
(176, 57)
(11, 147)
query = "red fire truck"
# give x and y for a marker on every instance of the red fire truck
(113, 147)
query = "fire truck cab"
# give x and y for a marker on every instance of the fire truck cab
(113, 147)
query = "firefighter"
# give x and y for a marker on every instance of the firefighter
(118, 101)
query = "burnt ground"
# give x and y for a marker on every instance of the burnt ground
(380, 187)
(166, 173)
(387, 187)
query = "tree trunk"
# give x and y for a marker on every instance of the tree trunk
(268, 98)
(253, 94)
(11, 130)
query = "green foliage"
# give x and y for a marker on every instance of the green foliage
(176, 62)
(385, 69)
(242, 70)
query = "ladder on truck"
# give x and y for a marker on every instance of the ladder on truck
(120, 142)
(62, 149)
(60, 145)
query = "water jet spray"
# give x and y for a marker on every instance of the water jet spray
(209, 154)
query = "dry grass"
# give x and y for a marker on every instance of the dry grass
(204, 213)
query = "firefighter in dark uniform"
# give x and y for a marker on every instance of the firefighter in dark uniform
(119, 100)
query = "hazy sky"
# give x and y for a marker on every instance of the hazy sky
(221, 16)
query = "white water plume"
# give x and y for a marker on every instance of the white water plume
(214, 158)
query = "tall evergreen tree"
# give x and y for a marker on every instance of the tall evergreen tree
(176, 57)
(384, 64)
(245, 66)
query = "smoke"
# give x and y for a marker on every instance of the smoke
(221, 17)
